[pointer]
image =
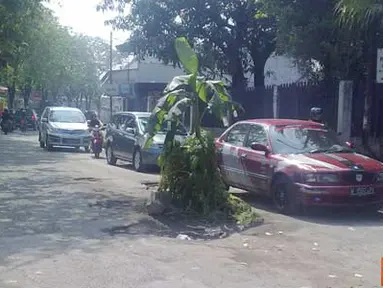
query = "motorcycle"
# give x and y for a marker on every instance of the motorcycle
(23, 125)
(97, 141)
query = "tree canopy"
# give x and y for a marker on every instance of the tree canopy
(229, 37)
(43, 55)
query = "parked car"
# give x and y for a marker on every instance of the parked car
(126, 137)
(63, 126)
(299, 164)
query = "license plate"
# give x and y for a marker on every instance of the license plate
(362, 191)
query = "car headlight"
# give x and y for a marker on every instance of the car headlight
(321, 178)
(380, 177)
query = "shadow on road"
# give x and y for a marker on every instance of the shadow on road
(150, 170)
(327, 216)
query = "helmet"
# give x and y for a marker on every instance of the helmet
(316, 114)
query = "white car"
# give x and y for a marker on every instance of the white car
(65, 127)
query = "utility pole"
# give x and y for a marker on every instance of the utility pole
(110, 74)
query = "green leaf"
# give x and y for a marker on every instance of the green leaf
(175, 113)
(202, 91)
(179, 82)
(186, 55)
(166, 107)
(220, 89)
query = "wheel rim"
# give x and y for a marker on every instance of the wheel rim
(137, 160)
(109, 154)
(280, 196)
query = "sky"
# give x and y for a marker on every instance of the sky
(83, 17)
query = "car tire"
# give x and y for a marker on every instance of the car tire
(87, 149)
(284, 196)
(110, 159)
(137, 161)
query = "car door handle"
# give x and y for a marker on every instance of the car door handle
(243, 155)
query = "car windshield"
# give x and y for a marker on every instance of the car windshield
(66, 116)
(143, 122)
(301, 139)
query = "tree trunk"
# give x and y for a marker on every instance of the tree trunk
(11, 95)
(27, 93)
(259, 62)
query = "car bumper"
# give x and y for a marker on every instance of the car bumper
(69, 140)
(150, 156)
(339, 196)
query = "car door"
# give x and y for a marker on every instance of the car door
(256, 164)
(129, 130)
(119, 136)
(230, 164)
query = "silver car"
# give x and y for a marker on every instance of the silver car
(65, 127)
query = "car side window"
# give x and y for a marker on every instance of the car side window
(257, 134)
(113, 123)
(237, 135)
(130, 123)
(122, 122)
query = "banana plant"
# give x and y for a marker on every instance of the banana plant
(190, 91)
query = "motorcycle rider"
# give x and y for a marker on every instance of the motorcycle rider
(23, 119)
(5, 118)
(94, 122)
(316, 114)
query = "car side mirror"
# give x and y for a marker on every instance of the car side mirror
(350, 145)
(260, 147)
(44, 120)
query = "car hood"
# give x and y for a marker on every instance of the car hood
(331, 162)
(69, 126)
(160, 138)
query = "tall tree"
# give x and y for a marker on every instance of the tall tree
(308, 30)
(227, 35)
(365, 16)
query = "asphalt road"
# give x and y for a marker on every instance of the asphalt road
(68, 220)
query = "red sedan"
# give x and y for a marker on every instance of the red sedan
(298, 163)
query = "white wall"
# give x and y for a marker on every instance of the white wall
(278, 70)
(281, 70)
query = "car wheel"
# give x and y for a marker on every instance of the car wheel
(109, 156)
(284, 196)
(87, 149)
(137, 161)
(47, 144)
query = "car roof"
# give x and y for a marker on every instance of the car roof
(135, 113)
(277, 122)
(58, 108)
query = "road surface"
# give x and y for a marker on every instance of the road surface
(70, 221)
